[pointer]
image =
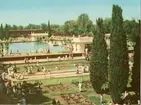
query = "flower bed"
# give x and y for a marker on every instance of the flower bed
(57, 87)
(85, 84)
(75, 99)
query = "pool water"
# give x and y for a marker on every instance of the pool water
(33, 47)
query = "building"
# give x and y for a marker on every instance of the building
(81, 43)
(35, 36)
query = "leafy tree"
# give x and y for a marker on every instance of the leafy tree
(84, 23)
(44, 27)
(119, 68)
(20, 27)
(55, 27)
(107, 25)
(69, 27)
(14, 27)
(131, 29)
(30, 26)
(136, 67)
(99, 60)
(89, 26)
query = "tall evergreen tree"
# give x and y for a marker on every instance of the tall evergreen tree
(49, 29)
(6, 32)
(99, 60)
(136, 67)
(1, 32)
(119, 68)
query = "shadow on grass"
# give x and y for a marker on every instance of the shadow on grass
(132, 99)
(6, 100)
(37, 98)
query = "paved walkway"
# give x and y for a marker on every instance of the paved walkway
(53, 74)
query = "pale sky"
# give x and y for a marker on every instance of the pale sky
(23, 12)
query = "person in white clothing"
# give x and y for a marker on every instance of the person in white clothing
(3, 75)
(139, 102)
(101, 98)
(44, 71)
(125, 94)
(80, 86)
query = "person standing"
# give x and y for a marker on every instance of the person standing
(77, 70)
(139, 102)
(44, 71)
(80, 86)
(101, 98)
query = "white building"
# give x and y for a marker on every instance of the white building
(79, 43)
(35, 35)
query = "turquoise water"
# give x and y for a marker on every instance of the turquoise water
(33, 47)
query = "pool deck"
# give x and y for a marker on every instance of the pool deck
(39, 56)
(42, 60)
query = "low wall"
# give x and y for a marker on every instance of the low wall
(17, 58)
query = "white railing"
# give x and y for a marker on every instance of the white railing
(82, 39)
(39, 34)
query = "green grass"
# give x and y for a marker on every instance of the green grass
(67, 80)
(46, 97)
(95, 100)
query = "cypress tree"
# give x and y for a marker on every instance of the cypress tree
(49, 29)
(119, 68)
(6, 31)
(136, 67)
(1, 32)
(99, 60)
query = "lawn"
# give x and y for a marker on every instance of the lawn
(53, 89)
(89, 93)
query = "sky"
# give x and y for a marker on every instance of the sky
(23, 12)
